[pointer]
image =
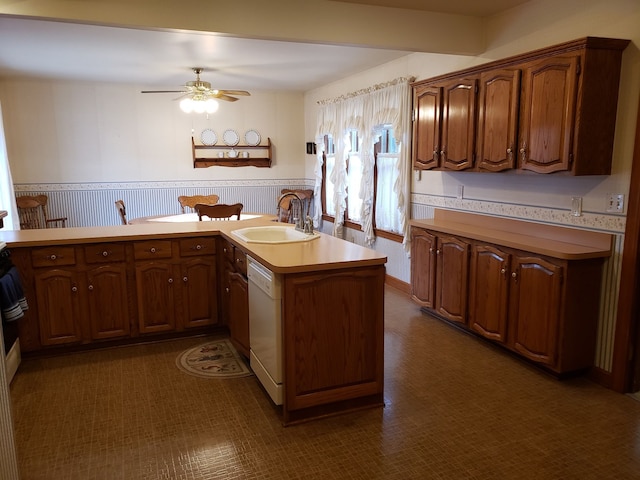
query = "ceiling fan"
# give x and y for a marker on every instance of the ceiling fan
(198, 92)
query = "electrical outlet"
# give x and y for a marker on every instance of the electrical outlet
(615, 202)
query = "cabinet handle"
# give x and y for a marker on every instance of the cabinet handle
(435, 152)
(431, 250)
(224, 249)
(442, 153)
(226, 289)
(438, 252)
(237, 260)
(74, 289)
(523, 152)
(503, 271)
(90, 288)
(105, 254)
(52, 257)
(198, 247)
(152, 249)
(514, 275)
(185, 279)
(171, 280)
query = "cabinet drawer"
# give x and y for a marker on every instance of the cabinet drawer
(240, 261)
(152, 249)
(197, 246)
(53, 256)
(104, 253)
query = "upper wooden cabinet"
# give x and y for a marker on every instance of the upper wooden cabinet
(551, 110)
(497, 132)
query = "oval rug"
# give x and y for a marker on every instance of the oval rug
(214, 359)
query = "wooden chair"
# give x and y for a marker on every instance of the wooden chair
(285, 207)
(32, 211)
(221, 211)
(122, 211)
(191, 201)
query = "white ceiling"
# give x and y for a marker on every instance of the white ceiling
(157, 59)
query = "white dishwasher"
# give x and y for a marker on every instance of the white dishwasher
(265, 327)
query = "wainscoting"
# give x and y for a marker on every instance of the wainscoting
(87, 205)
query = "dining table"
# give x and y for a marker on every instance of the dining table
(188, 217)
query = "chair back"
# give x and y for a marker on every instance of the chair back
(122, 211)
(285, 211)
(32, 210)
(190, 201)
(220, 211)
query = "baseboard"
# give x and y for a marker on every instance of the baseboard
(404, 287)
(12, 361)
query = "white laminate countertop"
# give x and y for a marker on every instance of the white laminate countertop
(324, 253)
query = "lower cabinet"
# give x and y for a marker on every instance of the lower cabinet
(439, 269)
(109, 308)
(234, 294)
(60, 306)
(542, 308)
(79, 294)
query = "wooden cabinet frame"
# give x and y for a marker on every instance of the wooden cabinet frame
(560, 118)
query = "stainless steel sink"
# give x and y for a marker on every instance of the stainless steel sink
(273, 234)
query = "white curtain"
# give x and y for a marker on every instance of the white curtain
(7, 194)
(366, 111)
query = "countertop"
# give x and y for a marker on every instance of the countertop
(324, 253)
(550, 240)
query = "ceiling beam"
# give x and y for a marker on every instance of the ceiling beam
(312, 21)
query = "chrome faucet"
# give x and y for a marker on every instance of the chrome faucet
(299, 221)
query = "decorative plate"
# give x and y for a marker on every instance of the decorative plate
(230, 137)
(252, 138)
(208, 137)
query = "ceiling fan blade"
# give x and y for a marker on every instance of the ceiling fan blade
(162, 91)
(227, 98)
(236, 92)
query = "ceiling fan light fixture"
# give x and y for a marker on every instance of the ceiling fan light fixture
(186, 105)
(211, 105)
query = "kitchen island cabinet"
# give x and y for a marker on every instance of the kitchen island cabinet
(333, 302)
(531, 289)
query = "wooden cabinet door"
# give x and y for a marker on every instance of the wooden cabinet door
(535, 303)
(108, 301)
(427, 102)
(548, 113)
(497, 120)
(156, 301)
(423, 267)
(239, 312)
(458, 124)
(452, 266)
(488, 292)
(199, 292)
(60, 309)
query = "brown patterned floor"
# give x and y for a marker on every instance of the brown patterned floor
(456, 408)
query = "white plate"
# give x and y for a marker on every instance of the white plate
(230, 137)
(252, 138)
(208, 137)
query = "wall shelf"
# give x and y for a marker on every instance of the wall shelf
(259, 155)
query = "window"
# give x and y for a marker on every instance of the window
(386, 216)
(387, 213)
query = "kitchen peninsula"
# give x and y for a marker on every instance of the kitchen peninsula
(102, 286)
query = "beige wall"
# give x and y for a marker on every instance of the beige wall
(535, 25)
(66, 132)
